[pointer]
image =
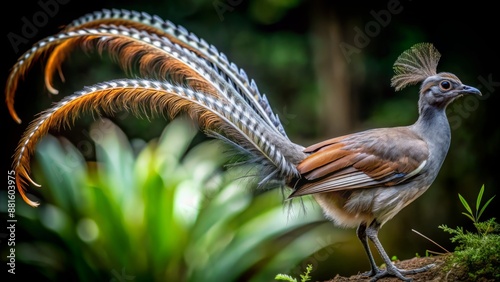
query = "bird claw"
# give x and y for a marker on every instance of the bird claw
(384, 273)
(394, 271)
(371, 273)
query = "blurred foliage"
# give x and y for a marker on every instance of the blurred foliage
(165, 210)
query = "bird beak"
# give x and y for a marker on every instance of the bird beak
(466, 89)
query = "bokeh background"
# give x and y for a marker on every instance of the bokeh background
(127, 199)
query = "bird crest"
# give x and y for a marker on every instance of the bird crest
(415, 65)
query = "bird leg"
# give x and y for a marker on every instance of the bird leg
(391, 270)
(361, 232)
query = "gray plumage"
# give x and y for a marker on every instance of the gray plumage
(364, 179)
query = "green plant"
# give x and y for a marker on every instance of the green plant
(163, 210)
(474, 216)
(478, 252)
(303, 277)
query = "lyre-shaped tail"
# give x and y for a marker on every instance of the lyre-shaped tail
(152, 25)
(182, 74)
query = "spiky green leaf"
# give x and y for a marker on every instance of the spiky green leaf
(466, 206)
(478, 200)
(484, 207)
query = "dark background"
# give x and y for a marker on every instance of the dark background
(465, 34)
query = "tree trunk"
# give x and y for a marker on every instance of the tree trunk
(332, 72)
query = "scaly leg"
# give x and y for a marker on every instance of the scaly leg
(361, 232)
(391, 270)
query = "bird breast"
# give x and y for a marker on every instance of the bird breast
(350, 208)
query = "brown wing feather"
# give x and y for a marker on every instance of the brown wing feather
(377, 161)
(336, 165)
(331, 154)
(323, 145)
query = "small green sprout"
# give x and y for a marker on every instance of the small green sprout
(303, 277)
(475, 216)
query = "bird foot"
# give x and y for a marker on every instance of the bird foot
(371, 273)
(391, 270)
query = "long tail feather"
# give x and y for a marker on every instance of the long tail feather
(201, 82)
(178, 35)
(158, 55)
(126, 44)
(54, 63)
(136, 95)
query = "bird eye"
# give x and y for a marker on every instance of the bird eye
(445, 85)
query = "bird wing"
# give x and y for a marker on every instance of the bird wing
(377, 157)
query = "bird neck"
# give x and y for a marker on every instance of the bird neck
(433, 126)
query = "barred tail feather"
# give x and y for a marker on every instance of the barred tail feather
(183, 74)
(136, 95)
(178, 35)
(157, 56)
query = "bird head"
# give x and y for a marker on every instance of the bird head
(419, 64)
(443, 88)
